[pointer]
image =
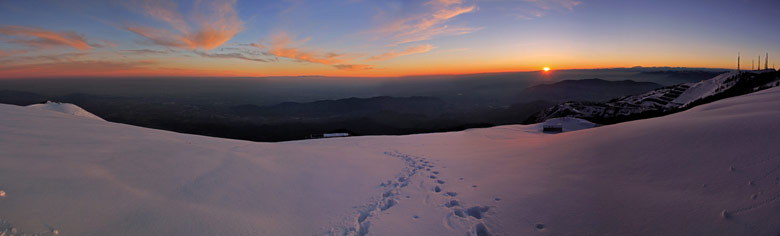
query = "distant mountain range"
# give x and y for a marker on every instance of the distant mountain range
(585, 90)
(346, 107)
(378, 115)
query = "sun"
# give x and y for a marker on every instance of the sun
(546, 68)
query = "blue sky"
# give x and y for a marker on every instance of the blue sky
(376, 38)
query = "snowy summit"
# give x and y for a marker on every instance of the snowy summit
(66, 108)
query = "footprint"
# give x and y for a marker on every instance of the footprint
(452, 203)
(437, 189)
(433, 177)
(481, 230)
(440, 181)
(436, 172)
(477, 211)
(363, 231)
(387, 205)
(363, 215)
(459, 212)
(452, 194)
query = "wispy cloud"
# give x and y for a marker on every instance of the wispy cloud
(408, 51)
(61, 57)
(104, 44)
(427, 24)
(532, 9)
(283, 45)
(38, 37)
(555, 4)
(215, 23)
(6, 53)
(232, 55)
(145, 51)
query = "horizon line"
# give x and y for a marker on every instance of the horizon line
(331, 76)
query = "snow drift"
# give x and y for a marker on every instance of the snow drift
(710, 170)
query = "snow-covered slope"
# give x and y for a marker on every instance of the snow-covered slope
(673, 175)
(705, 88)
(662, 100)
(66, 108)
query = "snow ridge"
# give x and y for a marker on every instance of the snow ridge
(66, 108)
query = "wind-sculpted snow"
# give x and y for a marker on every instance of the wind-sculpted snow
(710, 170)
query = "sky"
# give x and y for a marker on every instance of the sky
(363, 38)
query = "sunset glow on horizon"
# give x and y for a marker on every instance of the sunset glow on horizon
(354, 38)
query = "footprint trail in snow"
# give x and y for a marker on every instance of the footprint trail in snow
(460, 218)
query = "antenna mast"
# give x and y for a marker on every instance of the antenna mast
(737, 61)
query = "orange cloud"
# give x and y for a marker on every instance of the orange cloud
(37, 37)
(166, 11)
(353, 67)
(408, 51)
(216, 26)
(429, 24)
(282, 45)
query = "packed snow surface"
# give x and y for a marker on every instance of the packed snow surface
(66, 108)
(710, 170)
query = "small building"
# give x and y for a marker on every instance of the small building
(329, 135)
(552, 128)
(334, 135)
